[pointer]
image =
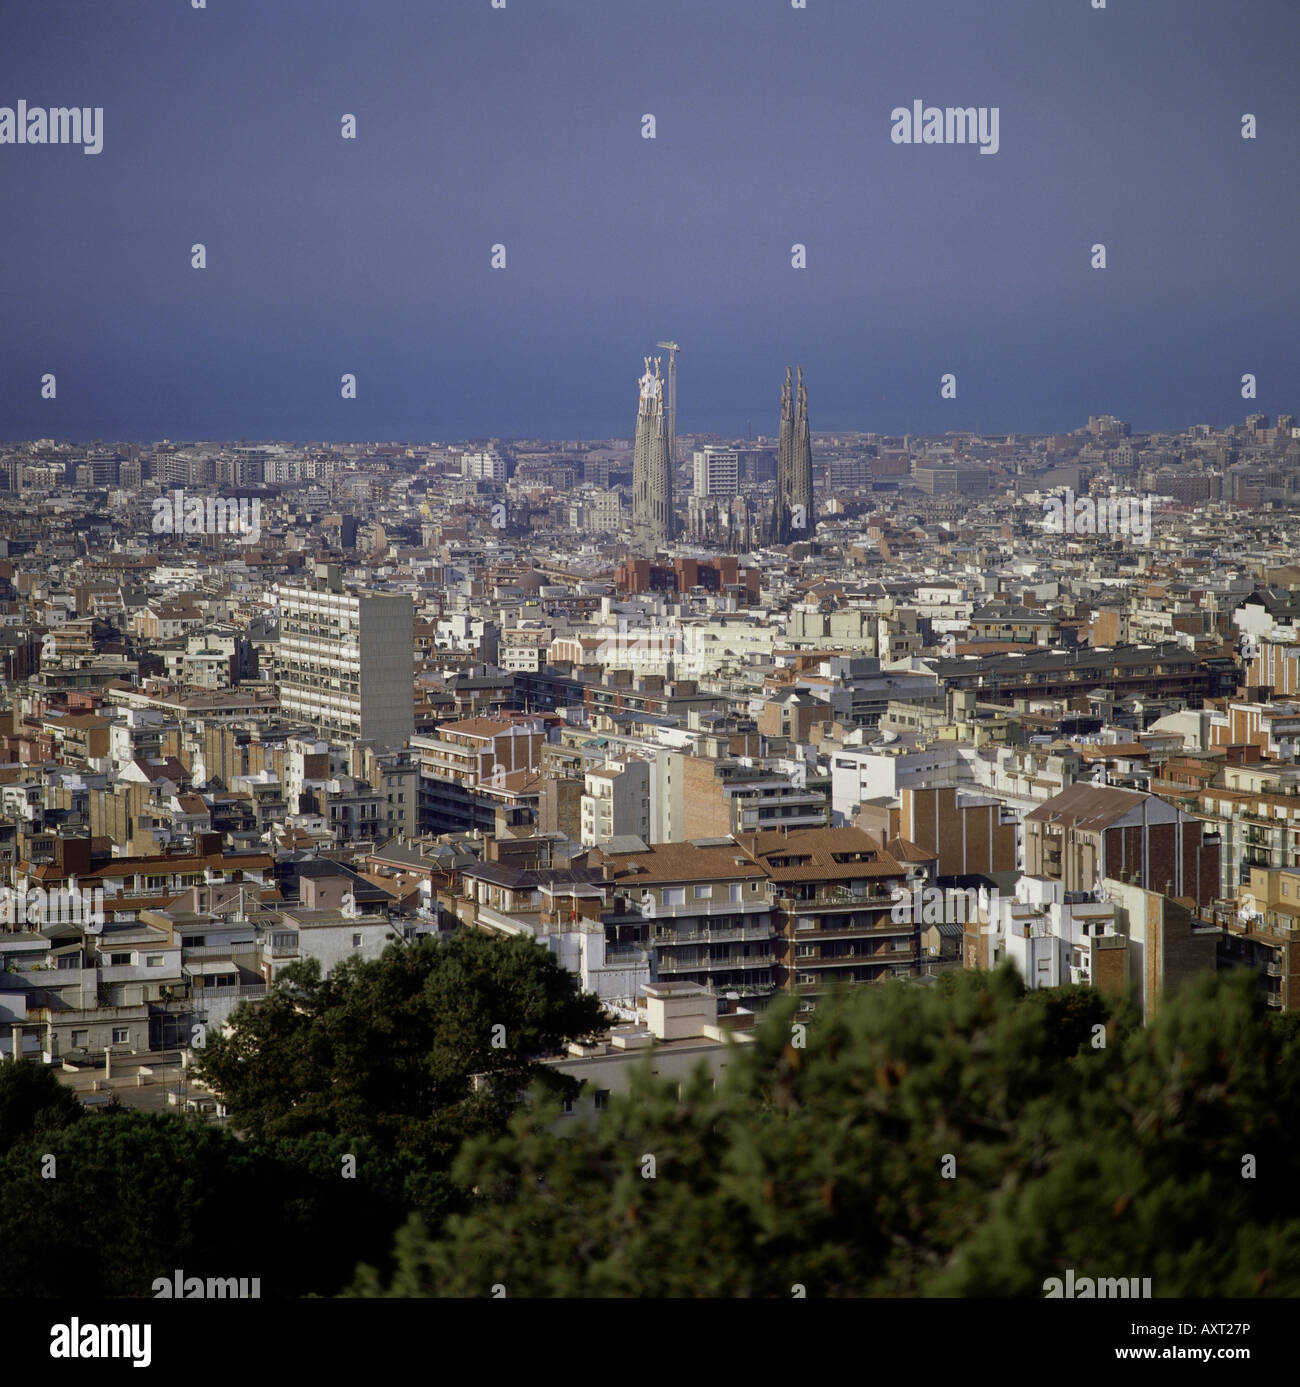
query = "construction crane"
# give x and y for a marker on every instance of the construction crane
(672, 349)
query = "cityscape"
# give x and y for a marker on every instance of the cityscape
(745, 851)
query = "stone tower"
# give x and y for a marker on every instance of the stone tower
(652, 473)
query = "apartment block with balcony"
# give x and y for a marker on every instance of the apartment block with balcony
(346, 661)
(833, 890)
(1258, 827)
(471, 767)
(1262, 931)
(704, 908)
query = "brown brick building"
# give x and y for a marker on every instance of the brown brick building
(1090, 832)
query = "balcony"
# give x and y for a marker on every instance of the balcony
(750, 989)
(713, 935)
(679, 963)
(626, 909)
(841, 898)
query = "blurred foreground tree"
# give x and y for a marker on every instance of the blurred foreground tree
(966, 1139)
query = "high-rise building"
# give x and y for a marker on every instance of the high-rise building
(652, 473)
(346, 659)
(717, 472)
(794, 491)
(487, 466)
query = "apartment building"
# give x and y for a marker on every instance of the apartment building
(616, 802)
(704, 908)
(678, 1028)
(1169, 942)
(1090, 832)
(1258, 826)
(1263, 932)
(134, 884)
(1054, 937)
(966, 833)
(833, 892)
(470, 766)
(730, 795)
(345, 662)
(570, 910)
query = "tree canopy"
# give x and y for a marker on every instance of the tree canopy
(967, 1139)
(386, 1049)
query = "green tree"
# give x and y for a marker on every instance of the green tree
(117, 1200)
(969, 1139)
(32, 1101)
(385, 1049)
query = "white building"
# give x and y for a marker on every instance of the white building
(616, 801)
(487, 466)
(717, 472)
(346, 659)
(1050, 934)
(880, 771)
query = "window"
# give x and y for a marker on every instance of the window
(805, 978)
(737, 891)
(602, 1099)
(118, 960)
(674, 895)
(121, 1035)
(567, 1105)
(805, 951)
(704, 893)
(80, 1039)
(154, 960)
(356, 941)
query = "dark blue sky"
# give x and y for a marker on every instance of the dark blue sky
(523, 126)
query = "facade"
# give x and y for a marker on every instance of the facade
(834, 891)
(1090, 832)
(616, 801)
(703, 906)
(472, 766)
(346, 660)
(487, 466)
